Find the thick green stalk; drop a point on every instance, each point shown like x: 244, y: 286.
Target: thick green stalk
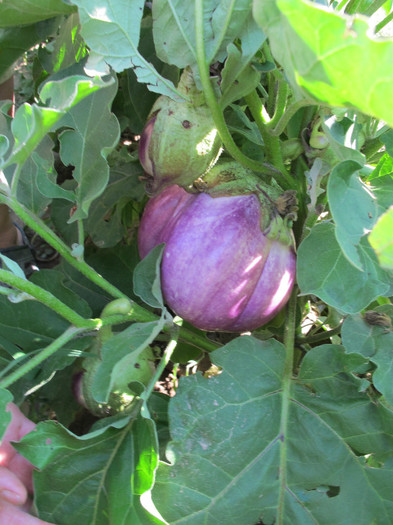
x: 45, y: 297
x: 383, y: 22
x: 36, y: 224
x: 212, y: 103
x: 289, y: 343
x: 288, y: 114
x: 51, y: 349
x: 272, y: 143
x: 280, y: 103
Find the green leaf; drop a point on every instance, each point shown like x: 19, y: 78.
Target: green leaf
x: 326, y: 54
x: 147, y: 283
x: 5, y: 417
x: 353, y: 207
x: 375, y: 343
x: 112, y: 32
x: 119, y: 355
x: 14, y: 41
x: 68, y: 47
x: 223, y: 24
x: 96, y: 480
x: 381, y: 239
x: 93, y: 131
x: 104, y: 222
x: 323, y: 270
x: 33, y: 325
x: 245, y: 449
x: 21, y: 12
x: 33, y: 122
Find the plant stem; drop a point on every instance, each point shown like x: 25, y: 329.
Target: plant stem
x: 289, y: 113
x: 318, y: 337
x: 161, y: 367
x: 36, y: 224
x: 281, y: 102
x: 39, y: 358
x: 272, y: 143
x: 384, y: 22
x: 47, y: 298
x: 289, y: 343
x: 211, y: 101
x: 373, y: 7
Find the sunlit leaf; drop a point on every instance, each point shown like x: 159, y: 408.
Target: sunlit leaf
x: 112, y: 32
x: 381, y: 239
x: 330, y: 56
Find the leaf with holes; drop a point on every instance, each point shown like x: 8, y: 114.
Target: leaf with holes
x: 251, y: 443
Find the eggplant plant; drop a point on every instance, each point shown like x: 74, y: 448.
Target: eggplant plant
x: 213, y: 341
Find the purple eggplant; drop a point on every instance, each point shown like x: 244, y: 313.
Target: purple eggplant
x: 219, y: 271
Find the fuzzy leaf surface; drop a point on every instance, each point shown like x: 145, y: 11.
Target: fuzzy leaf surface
x: 278, y: 455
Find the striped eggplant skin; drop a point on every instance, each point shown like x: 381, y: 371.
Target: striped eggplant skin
x: 219, y: 271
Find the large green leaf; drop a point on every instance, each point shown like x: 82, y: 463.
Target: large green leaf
x: 95, y: 479
x: 323, y: 270
x: 331, y: 57
x: 353, y: 207
x: 112, y: 32
x: 92, y: 132
x: 375, y: 343
x: 247, y: 448
x: 33, y: 122
x: 224, y: 22
x: 382, y: 241
x: 14, y: 41
x: 21, y: 12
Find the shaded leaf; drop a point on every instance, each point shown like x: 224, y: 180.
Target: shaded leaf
x: 96, y: 480
x: 147, y: 283
x: 375, y: 343
x: 119, y: 355
x: 276, y: 455
x: 104, y: 222
x: 223, y: 23
x: 353, y: 207
x: 94, y: 133
x: 20, y: 12
x: 323, y: 270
